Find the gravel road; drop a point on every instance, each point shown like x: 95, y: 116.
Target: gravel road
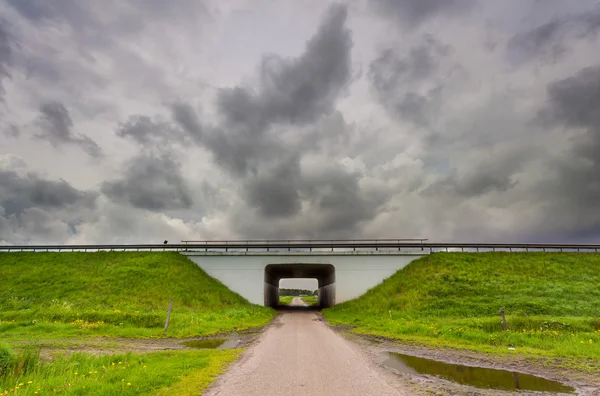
x: 300, y: 355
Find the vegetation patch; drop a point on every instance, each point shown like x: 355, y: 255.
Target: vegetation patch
x: 58, y: 295
x: 285, y: 300
x: 551, y: 301
x: 158, y: 373
x: 310, y: 300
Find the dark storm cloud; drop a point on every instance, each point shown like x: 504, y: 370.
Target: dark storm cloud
x: 6, y: 43
x: 395, y: 76
x: 151, y: 182
x: 300, y: 90
x: 494, y: 174
x: 186, y: 117
x: 294, y: 91
x: 575, y: 101
x: 549, y: 40
x: 574, y: 190
x: 335, y: 194
x: 416, y: 108
x: 56, y: 126
x: 146, y: 131
x: 328, y: 202
x: 18, y: 193
x: 411, y: 13
x: 275, y: 192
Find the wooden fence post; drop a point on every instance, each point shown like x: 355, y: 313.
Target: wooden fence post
x: 168, y: 314
x: 503, y: 319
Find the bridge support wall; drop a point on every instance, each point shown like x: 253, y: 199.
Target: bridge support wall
x: 353, y: 273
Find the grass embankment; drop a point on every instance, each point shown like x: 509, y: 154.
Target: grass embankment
x: 71, y: 298
x: 310, y: 300
x: 158, y: 373
x: 551, y: 300
x: 57, y: 295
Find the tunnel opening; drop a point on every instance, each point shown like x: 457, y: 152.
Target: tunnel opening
x: 323, y: 273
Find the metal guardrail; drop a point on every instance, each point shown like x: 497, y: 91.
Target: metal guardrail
x: 316, y: 246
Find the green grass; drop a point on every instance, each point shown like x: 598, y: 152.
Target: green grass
x: 310, y: 300
x: 551, y: 300
x: 57, y: 295
x: 157, y: 373
x: 285, y: 300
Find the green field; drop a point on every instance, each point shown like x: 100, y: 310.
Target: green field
x: 71, y: 299
x: 551, y: 300
x: 285, y: 300
x: 310, y: 300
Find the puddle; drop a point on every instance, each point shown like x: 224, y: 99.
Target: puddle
x: 208, y: 343
x: 474, y: 376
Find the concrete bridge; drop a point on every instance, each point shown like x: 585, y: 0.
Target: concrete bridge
x: 344, y: 269
x: 340, y: 276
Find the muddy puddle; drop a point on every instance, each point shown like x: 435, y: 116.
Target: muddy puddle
x: 478, y: 377
x: 212, y: 343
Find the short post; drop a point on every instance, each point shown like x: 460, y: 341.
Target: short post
x: 168, y: 314
x: 503, y: 319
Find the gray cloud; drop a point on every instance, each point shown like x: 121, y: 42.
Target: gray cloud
x: 186, y: 117
x: 291, y: 91
x: 397, y: 79
x: 571, y: 191
x: 275, y: 192
x: 18, y: 193
x: 5, y: 54
x: 324, y: 202
x: 56, y: 127
x: 411, y: 13
x: 574, y: 101
x: 146, y: 131
x: 549, y: 40
x: 299, y: 90
x: 340, y: 202
x: 303, y: 146
x: 490, y: 173
x: 151, y: 182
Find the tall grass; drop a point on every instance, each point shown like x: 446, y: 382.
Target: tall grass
x: 189, y: 372
x: 116, y: 294
x: 552, y: 302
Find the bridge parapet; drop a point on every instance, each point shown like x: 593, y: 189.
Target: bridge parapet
x: 319, y: 247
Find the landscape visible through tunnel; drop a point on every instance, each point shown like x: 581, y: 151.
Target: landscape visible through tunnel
x: 323, y: 273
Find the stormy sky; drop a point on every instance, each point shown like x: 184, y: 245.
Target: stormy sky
x: 455, y: 120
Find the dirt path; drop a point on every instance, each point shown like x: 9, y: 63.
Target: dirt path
x: 297, y: 302
x: 301, y: 355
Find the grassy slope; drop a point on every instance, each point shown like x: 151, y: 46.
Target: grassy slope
x: 115, y: 294
x: 552, y: 303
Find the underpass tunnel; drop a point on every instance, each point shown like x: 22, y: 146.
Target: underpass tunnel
x: 323, y: 273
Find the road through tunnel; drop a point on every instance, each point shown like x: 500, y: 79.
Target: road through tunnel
x: 323, y: 273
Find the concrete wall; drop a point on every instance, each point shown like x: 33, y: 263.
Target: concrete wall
x: 355, y: 273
